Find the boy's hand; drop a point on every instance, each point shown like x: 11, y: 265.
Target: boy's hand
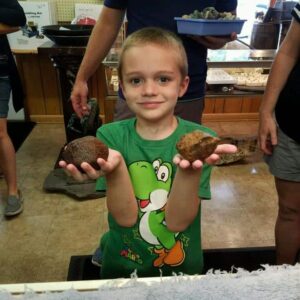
x: 211, y: 160
x: 107, y: 166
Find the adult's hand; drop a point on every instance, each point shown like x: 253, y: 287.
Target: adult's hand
x: 79, y: 98
x: 267, y: 133
x: 214, y: 42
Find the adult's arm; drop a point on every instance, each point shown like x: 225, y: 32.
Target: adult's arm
x: 11, y: 13
x: 5, y: 29
x: 286, y: 58
x: 100, y: 42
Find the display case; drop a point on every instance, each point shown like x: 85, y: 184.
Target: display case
x: 215, y: 59
x: 236, y: 102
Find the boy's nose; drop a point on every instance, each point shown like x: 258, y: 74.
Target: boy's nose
x: 149, y: 88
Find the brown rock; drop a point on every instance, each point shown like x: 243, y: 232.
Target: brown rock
x: 196, y: 145
x: 86, y: 149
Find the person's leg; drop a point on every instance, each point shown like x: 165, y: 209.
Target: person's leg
x: 7, y: 154
x: 8, y: 159
x: 287, y: 229
x: 284, y: 165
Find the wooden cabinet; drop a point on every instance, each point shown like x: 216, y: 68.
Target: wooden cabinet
x: 232, y: 107
x: 42, y: 88
x: 43, y: 99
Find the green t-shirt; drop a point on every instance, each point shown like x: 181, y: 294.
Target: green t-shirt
x: 149, y: 247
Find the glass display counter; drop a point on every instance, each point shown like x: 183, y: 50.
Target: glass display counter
x: 215, y: 59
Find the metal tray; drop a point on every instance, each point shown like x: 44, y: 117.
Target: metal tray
x: 249, y: 88
x: 69, y: 40
x: 70, y: 30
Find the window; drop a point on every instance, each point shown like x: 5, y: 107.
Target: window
x: 246, y: 10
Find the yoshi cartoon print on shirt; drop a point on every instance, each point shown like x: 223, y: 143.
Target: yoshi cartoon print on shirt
x: 152, y: 184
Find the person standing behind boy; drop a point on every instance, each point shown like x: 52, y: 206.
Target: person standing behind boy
x: 11, y: 17
x: 279, y: 138
x: 153, y: 194
x: 141, y: 14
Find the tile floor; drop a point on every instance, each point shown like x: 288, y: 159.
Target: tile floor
x: 36, y: 246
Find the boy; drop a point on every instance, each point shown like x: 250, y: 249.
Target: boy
x: 154, y: 209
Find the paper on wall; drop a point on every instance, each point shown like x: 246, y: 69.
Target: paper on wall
x: 38, y: 14
x: 87, y: 13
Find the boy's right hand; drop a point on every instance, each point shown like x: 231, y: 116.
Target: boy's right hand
x: 106, y: 167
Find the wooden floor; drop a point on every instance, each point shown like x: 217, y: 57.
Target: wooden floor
x: 37, y: 245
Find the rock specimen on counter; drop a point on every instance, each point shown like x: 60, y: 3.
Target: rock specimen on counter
x: 85, y: 149
x: 196, y: 145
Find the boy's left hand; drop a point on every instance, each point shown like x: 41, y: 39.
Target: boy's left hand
x: 211, y: 160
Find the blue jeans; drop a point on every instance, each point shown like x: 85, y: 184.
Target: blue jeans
x: 5, y: 90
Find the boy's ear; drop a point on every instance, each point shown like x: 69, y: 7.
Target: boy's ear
x: 184, y: 85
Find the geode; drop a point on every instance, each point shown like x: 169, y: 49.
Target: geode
x: 85, y: 149
x: 197, y: 145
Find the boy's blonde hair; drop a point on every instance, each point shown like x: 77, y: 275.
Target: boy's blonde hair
x: 156, y: 36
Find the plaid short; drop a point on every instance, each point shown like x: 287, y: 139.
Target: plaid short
x: 5, y: 89
x: 284, y: 163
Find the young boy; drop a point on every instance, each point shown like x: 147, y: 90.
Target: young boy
x: 153, y: 194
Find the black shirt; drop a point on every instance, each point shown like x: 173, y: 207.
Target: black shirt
x: 287, y: 110
x: 12, y: 14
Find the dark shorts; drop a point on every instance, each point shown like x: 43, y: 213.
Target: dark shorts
x: 284, y: 163
x: 4, y: 96
x: 190, y: 110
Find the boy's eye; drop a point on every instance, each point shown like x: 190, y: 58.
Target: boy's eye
x: 163, y: 79
x: 135, y: 81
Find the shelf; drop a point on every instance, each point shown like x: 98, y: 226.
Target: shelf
x: 240, y: 58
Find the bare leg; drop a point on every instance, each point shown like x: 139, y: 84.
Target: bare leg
x: 287, y: 229
x: 8, y: 159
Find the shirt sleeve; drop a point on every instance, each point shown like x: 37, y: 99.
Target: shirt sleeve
x: 296, y: 12
x: 117, y: 4
x: 12, y: 13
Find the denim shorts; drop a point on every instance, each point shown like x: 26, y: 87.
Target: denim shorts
x: 5, y: 89
x: 284, y: 163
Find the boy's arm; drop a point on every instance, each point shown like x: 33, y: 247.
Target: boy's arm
x: 121, y: 202
x: 120, y: 196
x: 183, y: 202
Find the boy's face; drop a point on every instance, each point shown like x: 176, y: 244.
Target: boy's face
x: 152, y: 81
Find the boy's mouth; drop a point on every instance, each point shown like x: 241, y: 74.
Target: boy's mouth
x: 150, y: 104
